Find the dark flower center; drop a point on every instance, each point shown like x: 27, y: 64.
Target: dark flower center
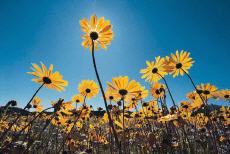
x: 77, y: 100
x: 123, y: 92
x: 199, y: 91
x: 119, y: 103
x: 158, y: 92
x: 226, y: 96
x: 93, y: 35
x: 178, y: 66
x: 206, y: 92
x: 87, y: 90
x: 111, y: 97
x: 47, y: 80
x: 110, y: 106
x: 154, y: 70
x: 185, y: 106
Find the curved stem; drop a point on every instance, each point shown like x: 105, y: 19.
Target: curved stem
x: 104, y: 98
x: 174, y: 104
x: 190, y: 78
x: 11, y: 125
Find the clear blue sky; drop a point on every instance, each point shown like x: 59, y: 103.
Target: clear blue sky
x: 48, y: 31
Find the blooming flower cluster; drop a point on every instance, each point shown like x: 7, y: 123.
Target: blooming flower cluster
x: 129, y: 123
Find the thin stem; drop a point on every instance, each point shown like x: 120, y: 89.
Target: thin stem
x: 104, y: 98
x: 190, y: 78
x: 174, y: 104
x: 11, y: 125
x: 206, y: 103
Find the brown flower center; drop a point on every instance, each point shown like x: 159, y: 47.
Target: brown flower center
x: 87, y: 90
x: 123, y: 92
x: 226, y: 96
x: 154, y: 70
x: 206, y: 92
x: 111, y: 97
x: 158, y: 92
x: 46, y: 80
x: 94, y: 35
x: 199, y: 91
x: 178, y: 66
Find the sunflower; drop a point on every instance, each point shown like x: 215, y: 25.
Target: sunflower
x: 158, y: 90
x: 98, y: 30
x: 178, y: 63
x: 195, y: 99
x: 122, y: 88
x: 222, y: 94
x: 36, y: 102
x: 78, y: 98
x: 88, y: 88
x: 206, y: 90
x: 154, y: 71
x: 50, y: 79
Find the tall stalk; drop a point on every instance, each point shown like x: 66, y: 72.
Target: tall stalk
x: 105, y: 102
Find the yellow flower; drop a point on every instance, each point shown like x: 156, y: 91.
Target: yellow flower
x: 98, y: 30
x: 167, y: 118
x: 201, y: 120
x: 222, y: 94
x: 36, y: 102
x: 143, y: 93
x: 154, y: 70
x: 50, y: 79
x: 222, y: 138
x: 79, y: 125
x: 78, y: 98
x: 122, y: 88
x: 178, y: 63
x: 110, y: 96
x: 185, y: 106
x: 131, y: 105
x: 194, y: 98
x: 66, y: 108
x: 158, y: 90
x: 88, y: 88
x: 206, y: 90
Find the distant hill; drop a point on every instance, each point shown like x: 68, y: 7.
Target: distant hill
x: 17, y: 110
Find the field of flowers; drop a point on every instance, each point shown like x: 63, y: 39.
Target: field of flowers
x: 129, y: 124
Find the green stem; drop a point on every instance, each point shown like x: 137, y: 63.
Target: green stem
x: 105, y: 102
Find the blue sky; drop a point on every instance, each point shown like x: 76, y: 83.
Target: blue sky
x: 49, y: 31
